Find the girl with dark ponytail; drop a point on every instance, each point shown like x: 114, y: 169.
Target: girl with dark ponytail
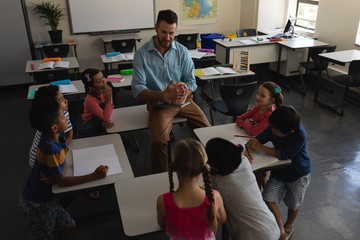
x: 190, y: 212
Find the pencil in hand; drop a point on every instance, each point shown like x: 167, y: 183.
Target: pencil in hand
x: 248, y: 152
x: 243, y: 136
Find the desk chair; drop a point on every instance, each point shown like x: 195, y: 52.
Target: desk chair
x: 124, y: 46
x: 352, y: 79
x: 235, y: 99
x: 246, y: 32
x: 43, y: 77
x: 188, y: 40
x: 315, y: 63
x: 56, y: 50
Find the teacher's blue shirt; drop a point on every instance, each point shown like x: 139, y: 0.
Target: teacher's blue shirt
x: 153, y: 71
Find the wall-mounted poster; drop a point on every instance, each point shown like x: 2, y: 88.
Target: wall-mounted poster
x: 195, y: 12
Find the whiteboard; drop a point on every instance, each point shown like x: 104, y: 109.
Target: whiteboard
x: 89, y: 16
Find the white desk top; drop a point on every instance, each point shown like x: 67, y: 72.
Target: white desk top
x: 132, y: 118
x: 93, y: 142
x: 73, y: 64
x: 234, y: 42
x: 296, y: 42
x: 342, y: 56
x: 77, y: 83
x: 227, y: 131
x: 195, y: 54
x: 137, y: 202
x: 108, y: 39
x: 69, y: 42
x: 302, y: 43
x: 124, y: 83
x: 238, y: 74
x: 107, y: 60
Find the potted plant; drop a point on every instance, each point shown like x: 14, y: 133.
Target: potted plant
x: 52, y: 14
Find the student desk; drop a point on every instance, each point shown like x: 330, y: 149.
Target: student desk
x: 106, y: 40
x: 73, y: 64
x: 260, y: 51
x: 238, y: 74
x: 119, y: 84
x: 134, y: 118
x: 108, y: 61
x: 71, y: 43
x: 267, y: 52
x: 33, y: 65
x: 137, y: 202
x: 77, y: 83
x: 342, y: 57
x: 294, y: 44
x: 114, y: 139
x: 227, y: 131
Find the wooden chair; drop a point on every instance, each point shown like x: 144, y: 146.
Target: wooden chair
x: 235, y: 99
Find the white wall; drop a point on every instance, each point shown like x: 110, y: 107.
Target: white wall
x: 14, y: 48
x: 272, y: 14
x: 249, y: 13
x: 91, y: 47
x: 337, y: 22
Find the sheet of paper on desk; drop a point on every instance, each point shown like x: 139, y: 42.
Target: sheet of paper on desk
x: 129, y: 56
x: 260, y: 159
x: 197, y: 55
x: 68, y: 88
x: 86, y: 160
x: 247, y: 41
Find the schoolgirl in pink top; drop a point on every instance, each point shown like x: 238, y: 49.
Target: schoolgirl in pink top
x: 268, y: 97
x: 98, y: 105
x: 190, y: 212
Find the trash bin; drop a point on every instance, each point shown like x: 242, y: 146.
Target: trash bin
x: 207, y: 40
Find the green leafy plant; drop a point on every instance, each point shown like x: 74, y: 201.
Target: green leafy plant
x: 49, y: 11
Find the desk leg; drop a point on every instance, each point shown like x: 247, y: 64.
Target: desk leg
x: 75, y: 51
x: 106, y: 69
x: 278, y: 70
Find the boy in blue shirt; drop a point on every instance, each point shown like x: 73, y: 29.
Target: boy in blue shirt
x: 46, y: 218
x: 289, y: 183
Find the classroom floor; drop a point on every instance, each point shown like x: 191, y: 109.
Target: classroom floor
x: 331, y: 209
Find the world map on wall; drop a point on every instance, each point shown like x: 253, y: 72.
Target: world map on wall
x: 193, y: 10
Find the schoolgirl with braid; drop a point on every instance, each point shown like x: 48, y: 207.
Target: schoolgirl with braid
x: 190, y: 211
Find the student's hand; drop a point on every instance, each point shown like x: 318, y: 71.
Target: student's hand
x: 107, y: 92
x: 101, y: 171
x: 107, y: 125
x: 248, y: 156
x: 46, y: 179
x: 253, y: 143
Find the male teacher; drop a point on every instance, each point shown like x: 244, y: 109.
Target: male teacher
x: 159, y: 66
